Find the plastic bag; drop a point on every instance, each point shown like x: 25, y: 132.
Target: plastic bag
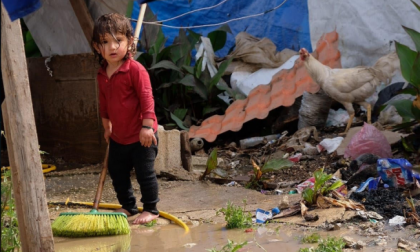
x: 368, y: 140
x: 396, y: 172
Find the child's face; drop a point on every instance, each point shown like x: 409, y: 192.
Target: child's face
x: 113, y: 51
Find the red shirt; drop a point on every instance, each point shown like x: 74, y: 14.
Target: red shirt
x: 126, y: 99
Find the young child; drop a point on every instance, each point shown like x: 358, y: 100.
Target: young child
x: 128, y: 116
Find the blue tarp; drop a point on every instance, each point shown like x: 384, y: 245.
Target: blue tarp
x: 20, y: 8
x: 287, y: 27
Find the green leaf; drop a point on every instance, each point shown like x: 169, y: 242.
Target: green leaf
x: 415, y: 36
x: 166, y: 64
x: 308, y: 195
x: 220, y: 72
x: 165, y: 54
x: 178, y: 122
x: 225, y: 28
x: 334, y: 186
x: 165, y: 85
x: 189, y: 69
x: 211, y: 162
x: 201, y: 90
x: 408, y: 60
x: 276, y: 165
x: 417, y: 6
x: 208, y: 109
x: 180, y: 113
x: 197, y: 68
x: 404, y: 109
x: 217, y: 39
x: 408, y: 146
x: 188, y: 80
x: 411, y: 91
x: 415, y: 110
x: 193, y: 37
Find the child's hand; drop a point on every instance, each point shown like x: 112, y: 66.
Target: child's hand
x: 147, y: 136
x: 107, y: 134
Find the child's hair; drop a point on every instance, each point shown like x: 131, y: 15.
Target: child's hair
x: 112, y: 23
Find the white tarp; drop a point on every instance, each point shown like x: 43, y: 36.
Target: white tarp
x: 57, y: 31
x: 367, y: 28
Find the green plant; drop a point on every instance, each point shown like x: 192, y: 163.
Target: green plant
x: 236, y: 217
x: 320, y: 186
x: 270, y: 166
x: 151, y: 223
x: 410, y: 69
x: 9, y: 223
x: 229, y: 247
x: 328, y: 245
x: 183, y: 91
x: 313, y: 238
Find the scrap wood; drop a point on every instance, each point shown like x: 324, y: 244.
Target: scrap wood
x: 347, y: 203
x: 293, y: 210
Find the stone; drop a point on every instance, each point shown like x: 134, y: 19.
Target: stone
x: 349, y: 241
x: 380, y: 242
x: 360, y: 245
x: 199, y: 164
x: 169, y: 150
x: 284, y: 202
x: 404, y: 244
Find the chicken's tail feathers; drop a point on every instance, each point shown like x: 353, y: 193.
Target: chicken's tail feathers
x: 387, y: 66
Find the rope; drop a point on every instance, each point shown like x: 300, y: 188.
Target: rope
x: 159, y: 23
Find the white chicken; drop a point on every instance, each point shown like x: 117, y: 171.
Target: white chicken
x: 351, y: 85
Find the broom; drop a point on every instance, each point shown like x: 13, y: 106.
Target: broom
x: 93, y: 223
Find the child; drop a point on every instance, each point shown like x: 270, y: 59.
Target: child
x: 128, y: 116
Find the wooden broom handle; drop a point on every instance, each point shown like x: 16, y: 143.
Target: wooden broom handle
x: 101, y: 181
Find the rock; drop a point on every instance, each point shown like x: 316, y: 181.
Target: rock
x: 404, y: 244
x: 311, y: 217
x: 380, y: 242
x: 284, y: 203
x: 350, y: 243
x: 199, y: 164
x: 360, y: 245
x: 196, y: 144
x: 178, y: 174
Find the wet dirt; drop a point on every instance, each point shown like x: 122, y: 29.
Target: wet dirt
x: 386, y: 202
x: 270, y: 237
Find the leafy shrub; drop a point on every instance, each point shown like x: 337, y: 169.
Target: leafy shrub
x: 183, y: 91
x: 320, y: 186
x: 9, y: 223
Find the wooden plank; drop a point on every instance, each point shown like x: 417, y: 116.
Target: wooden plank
x: 23, y: 141
x: 15, y: 182
x: 84, y: 17
x: 66, y: 108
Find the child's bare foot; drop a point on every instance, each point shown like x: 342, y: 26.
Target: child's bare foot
x: 122, y: 210
x: 145, y: 217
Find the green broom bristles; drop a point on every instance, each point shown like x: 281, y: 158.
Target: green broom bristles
x: 90, y: 224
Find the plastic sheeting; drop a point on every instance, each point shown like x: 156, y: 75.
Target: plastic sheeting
x: 367, y: 29
x: 287, y: 26
x: 21, y: 8
x: 57, y: 31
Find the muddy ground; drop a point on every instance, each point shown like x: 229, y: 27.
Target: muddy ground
x: 197, y: 203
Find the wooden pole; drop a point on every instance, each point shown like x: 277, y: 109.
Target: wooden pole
x: 139, y: 23
x: 85, y: 19
x: 33, y: 218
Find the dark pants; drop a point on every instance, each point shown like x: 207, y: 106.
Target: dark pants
x: 122, y: 159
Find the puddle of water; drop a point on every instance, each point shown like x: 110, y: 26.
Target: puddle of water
x: 200, y: 238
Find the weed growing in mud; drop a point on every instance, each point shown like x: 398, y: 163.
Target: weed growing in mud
x: 327, y: 245
x: 320, y: 187
x: 150, y: 224
x: 9, y: 223
x: 313, y: 238
x: 236, y: 217
x: 230, y: 247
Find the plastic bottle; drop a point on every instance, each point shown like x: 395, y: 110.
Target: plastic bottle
x: 262, y: 216
x: 251, y: 142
